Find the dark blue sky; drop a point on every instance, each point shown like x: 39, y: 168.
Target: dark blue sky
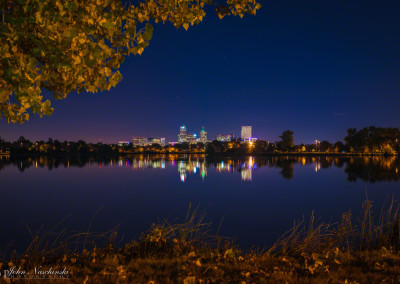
x: 315, y: 67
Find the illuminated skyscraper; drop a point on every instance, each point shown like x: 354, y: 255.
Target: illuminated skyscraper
x: 139, y: 141
x: 182, y: 134
x: 246, y: 133
x: 191, y: 138
x: 203, y: 136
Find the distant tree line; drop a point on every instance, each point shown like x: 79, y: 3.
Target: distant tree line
x: 368, y: 140
x: 50, y: 147
x: 23, y: 146
x: 373, y: 140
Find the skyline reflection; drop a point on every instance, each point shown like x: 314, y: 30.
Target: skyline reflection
x: 369, y: 169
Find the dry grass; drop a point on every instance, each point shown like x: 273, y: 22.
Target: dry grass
x: 361, y: 251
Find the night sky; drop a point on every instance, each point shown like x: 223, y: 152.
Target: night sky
x: 314, y: 67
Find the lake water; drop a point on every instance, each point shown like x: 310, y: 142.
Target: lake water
x: 258, y: 198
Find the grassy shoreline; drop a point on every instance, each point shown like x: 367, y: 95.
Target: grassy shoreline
x: 365, y: 251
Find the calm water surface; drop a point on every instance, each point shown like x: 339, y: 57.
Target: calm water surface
x: 258, y: 198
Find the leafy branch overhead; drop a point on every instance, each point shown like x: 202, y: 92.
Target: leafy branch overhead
x: 69, y: 45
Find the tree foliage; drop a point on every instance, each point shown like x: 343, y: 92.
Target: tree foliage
x: 287, y: 141
x: 68, y: 45
x: 325, y: 146
x: 373, y: 140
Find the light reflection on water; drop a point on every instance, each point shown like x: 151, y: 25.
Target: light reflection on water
x: 370, y: 169
x: 367, y: 168
x: 199, y: 166
x: 195, y: 165
x: 257, y: 197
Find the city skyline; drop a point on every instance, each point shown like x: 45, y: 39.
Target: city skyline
x: 135, y: 134
x: 191, y: 138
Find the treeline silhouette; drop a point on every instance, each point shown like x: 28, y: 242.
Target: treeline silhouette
x: 55, y: 147
x: 373, y: 140
x: 25, y: 146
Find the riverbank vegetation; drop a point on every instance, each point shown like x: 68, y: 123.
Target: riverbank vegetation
x: 361, y: 249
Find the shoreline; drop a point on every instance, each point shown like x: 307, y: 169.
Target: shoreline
x: 228, y: 155
x: 367, y: 251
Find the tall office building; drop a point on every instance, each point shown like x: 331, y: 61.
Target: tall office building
x: 246, y: 133
x: 203, y: 136
x: 139, y: 141
x: 191, y: 138
x: 182, y: 134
